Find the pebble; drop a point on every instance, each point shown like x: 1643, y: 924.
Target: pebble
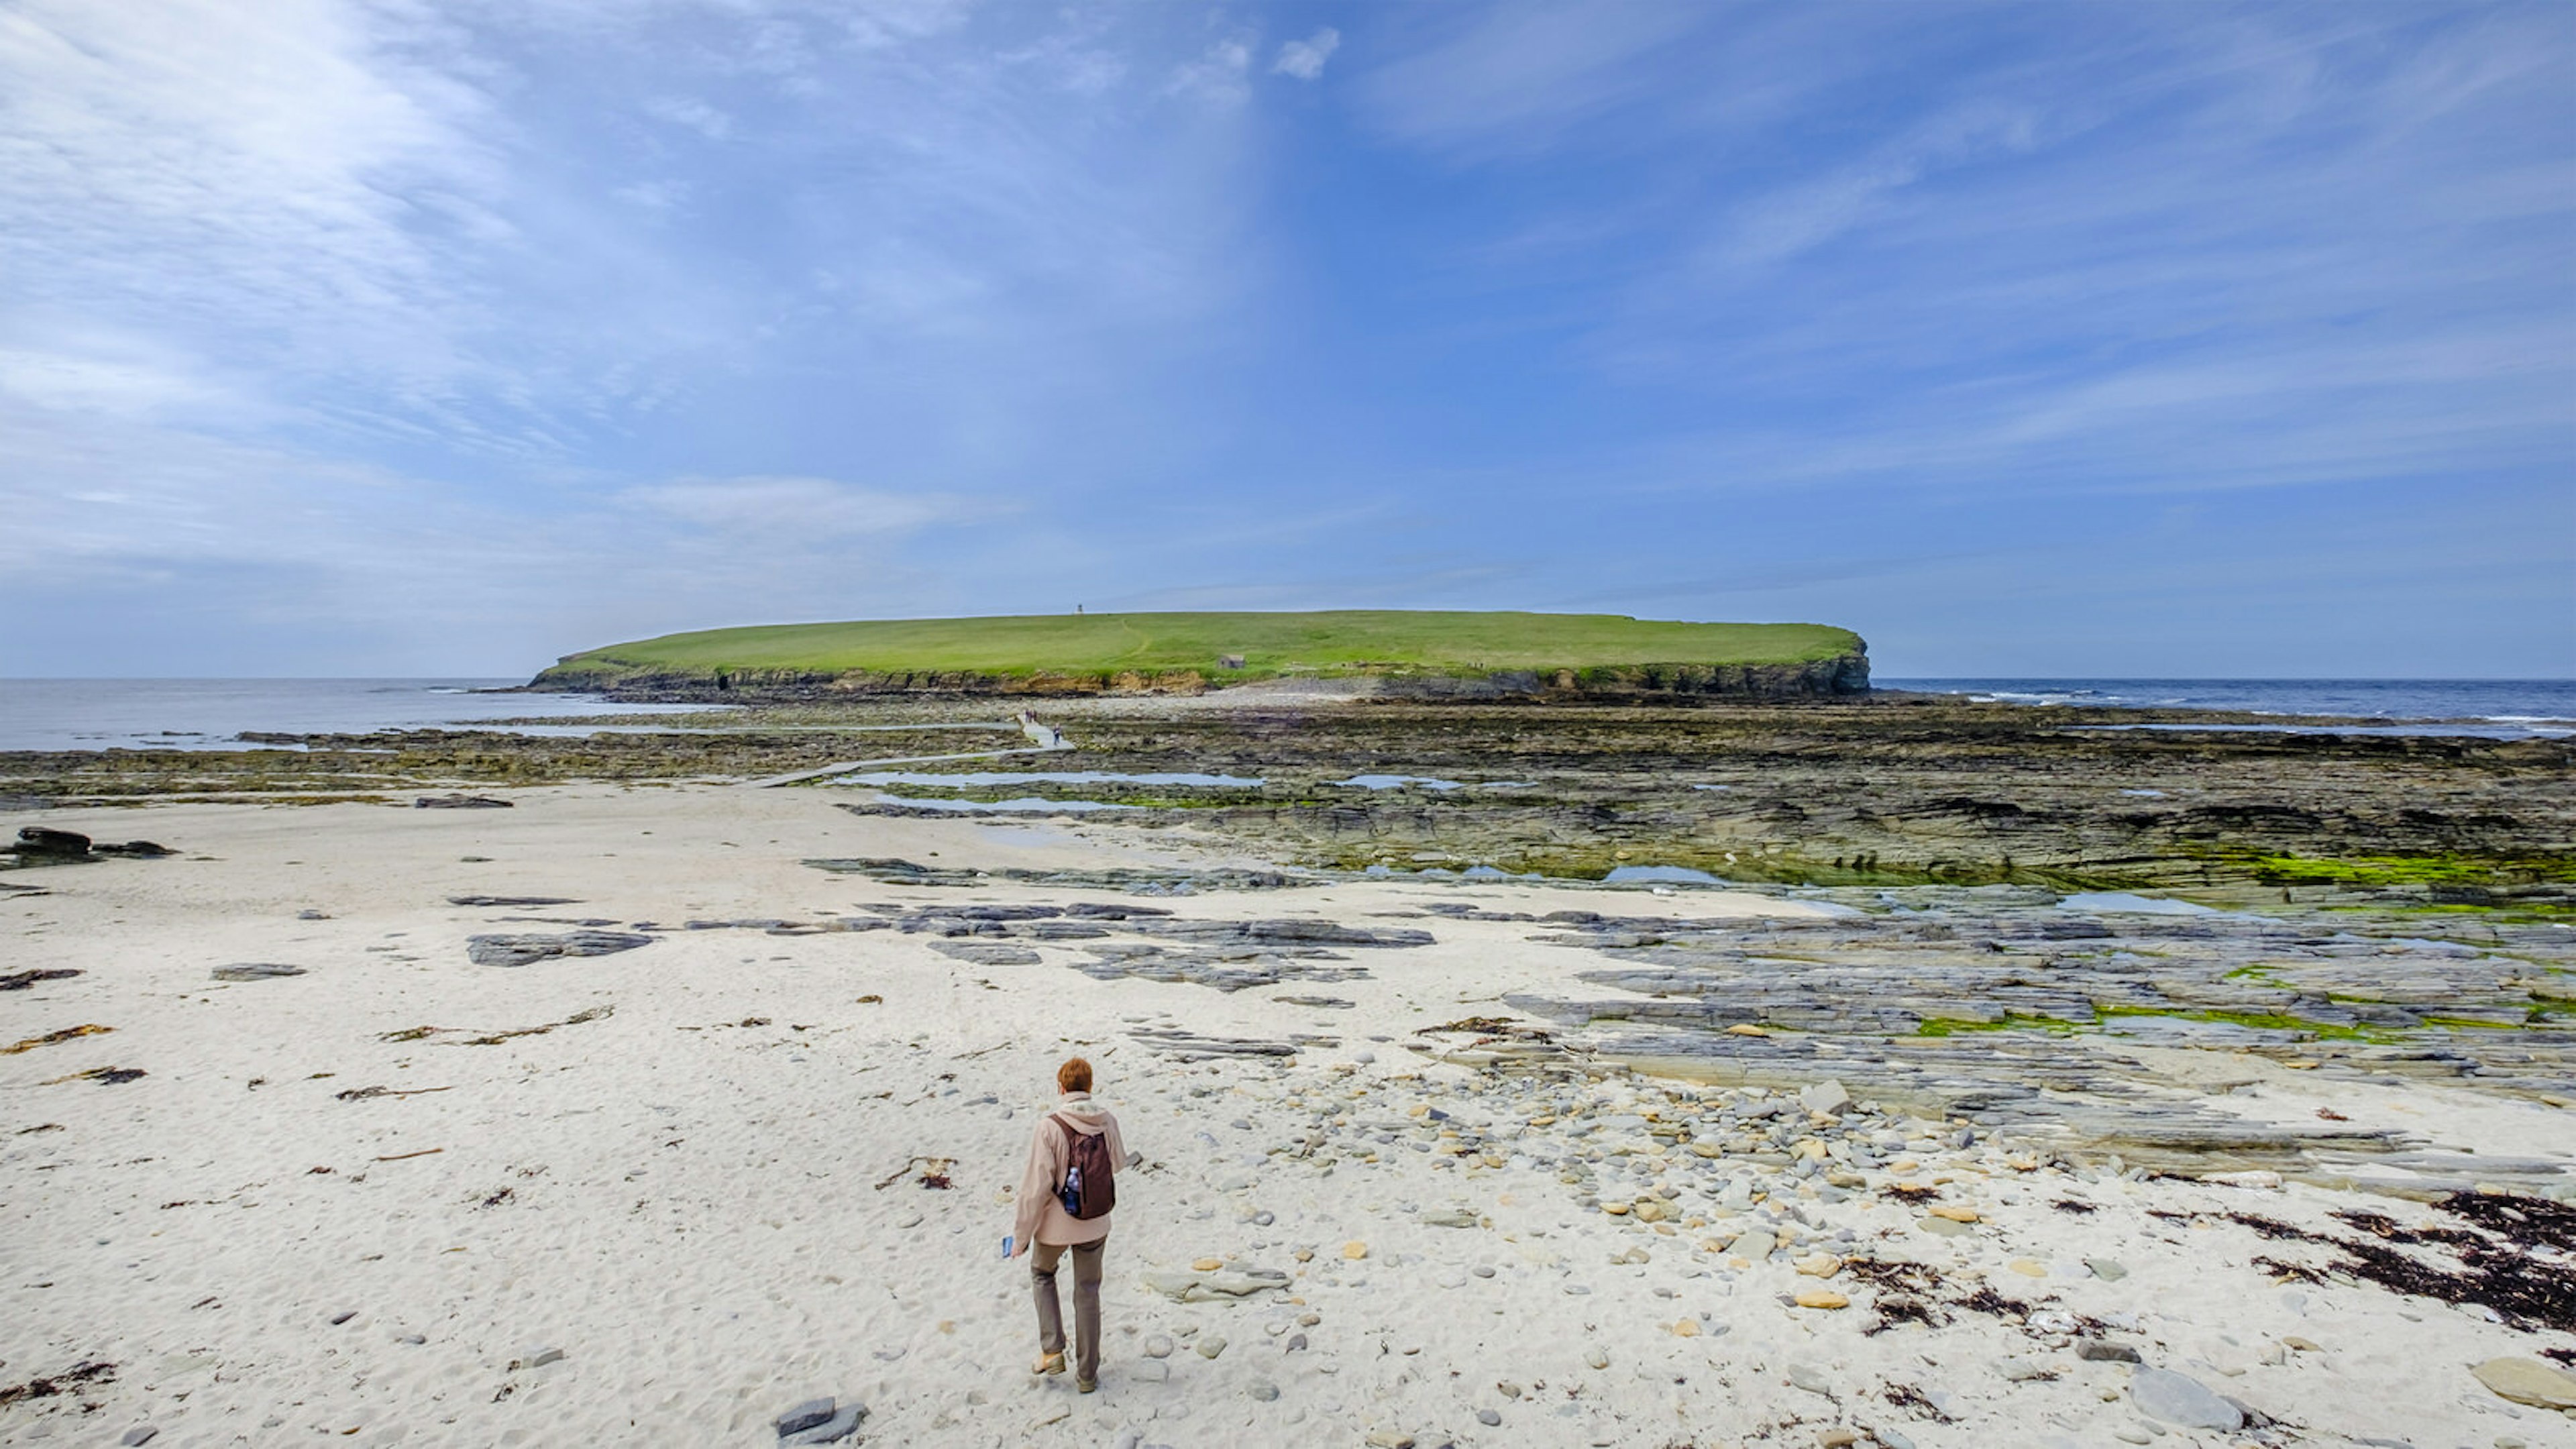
x: 1296, y: 1344
x: 538, y: 1357
x: 1265, y: 1392
x: 1597, y: 1357
x: 1151, y: 1371
x: 1489, y: 1418
x: 1211, y: 1344
x: 1808, y: 1377
x: 1821, y: 1298
x: 1354, y: 1250
x: 1159, y: 1346
x: 2096, y: 1351
x: 414, y: 1339
x: 1389, y: 1439
x: 1943, y: 1227
x: 2106, y: 1269
x: 2028, y: 1267
x: 139, y: 1434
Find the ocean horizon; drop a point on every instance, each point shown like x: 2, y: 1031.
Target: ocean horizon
x: 201, y: 714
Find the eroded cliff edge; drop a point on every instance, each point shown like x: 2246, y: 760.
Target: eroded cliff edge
x: 1840, y: 675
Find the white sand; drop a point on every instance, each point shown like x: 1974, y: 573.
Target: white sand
x: 692, y: 1218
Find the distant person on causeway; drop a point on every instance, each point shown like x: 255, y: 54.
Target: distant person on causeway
x: 1064, y: 1201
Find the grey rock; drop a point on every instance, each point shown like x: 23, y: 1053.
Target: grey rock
x: 1490, y: 1418
x: 843, y: 1423
x: 521, y: 950
x: 1810, y: 1378
x: 1264, y: 1391
x: 2182, y: 1401
x: 413, y: 1339
x: 977, y: 953
x: 1296, y: 1344
x: 2106, y: 1269
x: 1827, y: 1096
x: 256, y: 971
x: 805, y: 1416
x: 343, y: 1316
x: 139, y: 1434
x: 2096, y: 1351
x: 459, y: 802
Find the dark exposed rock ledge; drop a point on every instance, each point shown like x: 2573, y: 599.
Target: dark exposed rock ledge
x: 1843, y: 674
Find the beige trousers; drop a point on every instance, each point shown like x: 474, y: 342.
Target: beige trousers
x: 1086, y: 1303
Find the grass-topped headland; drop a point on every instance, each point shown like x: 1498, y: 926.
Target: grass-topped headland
x: 1409, y: 651
x: 1183, y: 652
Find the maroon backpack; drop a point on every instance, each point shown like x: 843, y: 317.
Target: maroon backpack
x: 1089, y: 1188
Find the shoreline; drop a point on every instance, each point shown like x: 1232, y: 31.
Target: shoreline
x: 689, y: 1132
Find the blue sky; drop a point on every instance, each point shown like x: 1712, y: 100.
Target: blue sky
x: 445, y: 338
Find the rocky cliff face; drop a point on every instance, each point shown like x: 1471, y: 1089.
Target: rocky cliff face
x: 1845, y: 674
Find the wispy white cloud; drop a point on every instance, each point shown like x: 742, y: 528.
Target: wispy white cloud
x: 1217, y: 74
x: 1304, y: 59
x: 693, y: 113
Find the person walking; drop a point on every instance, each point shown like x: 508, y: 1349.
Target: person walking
x: 1064, y: 1200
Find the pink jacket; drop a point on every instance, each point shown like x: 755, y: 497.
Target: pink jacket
x: 1041, y: 1219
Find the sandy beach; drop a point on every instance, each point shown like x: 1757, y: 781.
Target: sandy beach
x: 666, y: 1193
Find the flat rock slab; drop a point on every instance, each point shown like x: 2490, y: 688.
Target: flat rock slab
x: 512, y: 901
x: 2528, y: 1381
x: 522, y: 949
x: 977, y: 953
x: 1214, y: 1287
x: 256, y: 971
x: 2182, y: 1401
x: 459, y: 802
x: 843, y: 1423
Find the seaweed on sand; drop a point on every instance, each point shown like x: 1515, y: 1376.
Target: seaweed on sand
x: 1986, y: 1300
x: 50, y: 1385
x: 2498, y: 1256
x: 2070, y: 1205
x: 1896, y: 1308
x: 1907, y: 1396
x: 1909, y: 1193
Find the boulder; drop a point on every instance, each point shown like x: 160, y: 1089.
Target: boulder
x: 45, y: 843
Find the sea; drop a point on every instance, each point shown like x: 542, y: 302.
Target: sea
x: 2503, y: 709
x: 212, y: 714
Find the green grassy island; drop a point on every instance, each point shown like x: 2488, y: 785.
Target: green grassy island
x: 1405, y: 651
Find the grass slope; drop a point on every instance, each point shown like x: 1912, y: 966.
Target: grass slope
x: 1336, y: 642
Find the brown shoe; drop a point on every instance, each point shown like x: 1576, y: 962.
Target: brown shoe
x: 1085, y: 1385
x: 1048, y: 1363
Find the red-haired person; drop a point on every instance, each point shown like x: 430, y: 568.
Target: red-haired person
x: 1064, y: 1202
